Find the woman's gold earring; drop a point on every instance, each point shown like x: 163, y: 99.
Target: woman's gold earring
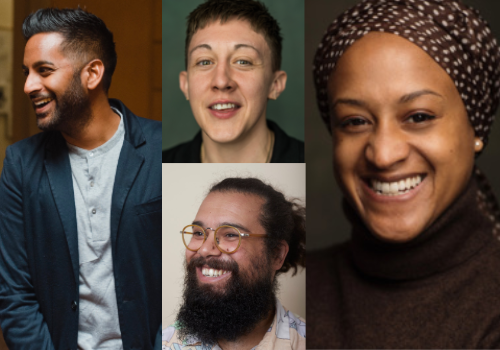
x: 478, y: 145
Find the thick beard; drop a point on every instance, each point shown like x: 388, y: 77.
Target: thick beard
x: 228, y: 314
x: 72, y: 111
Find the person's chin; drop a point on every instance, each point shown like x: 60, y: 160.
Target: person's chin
x: 225, y: 135
x: 394, y: 230
x: 45, y: 122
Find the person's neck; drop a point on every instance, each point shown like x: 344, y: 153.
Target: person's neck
x: 255, y: 146
x: 100, y: 129
x: 253, y: 338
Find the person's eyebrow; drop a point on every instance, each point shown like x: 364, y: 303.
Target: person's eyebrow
x: 202, y: 46
x: 239, y: 46
x: 239, y: 227
x: 349, y: 101
x: 404, y: 99
x: 411, y: 96
x: 38, y: 64
x: 199, y: 223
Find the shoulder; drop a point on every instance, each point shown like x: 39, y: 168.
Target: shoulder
x: 32, y: 149
x: 151, y: 129
x: 286, y: 149
x: 322, y: 268
x: 187, y: 152
x: 290, y: 326
x: 170, y: 339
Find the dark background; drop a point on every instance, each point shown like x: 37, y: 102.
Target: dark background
x: 326, y: 224
x: 179, y: 124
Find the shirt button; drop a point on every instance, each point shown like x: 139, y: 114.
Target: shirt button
x: 91, y: 154
x: 74, y: 305
x: 94, y: 211
x: 92, y: 184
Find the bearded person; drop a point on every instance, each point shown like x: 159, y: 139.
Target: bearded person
x: 244, y: 235
x: 80, y: 209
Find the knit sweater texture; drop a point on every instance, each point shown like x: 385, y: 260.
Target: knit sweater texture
x: 439, y: 290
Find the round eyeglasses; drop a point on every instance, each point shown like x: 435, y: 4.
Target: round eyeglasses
x: 227, y: 238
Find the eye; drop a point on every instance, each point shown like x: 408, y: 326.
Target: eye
x: 353, y: 121
x: 198, y: 234
x: 243, y: 62
x: 417, y: 118
x: 204, y: 63
x: 26, y: 72
x: 44, y: 71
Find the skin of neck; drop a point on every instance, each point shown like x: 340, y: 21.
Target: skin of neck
x: 253, y: 338
x: 101, y: 127
x: 250, y: 147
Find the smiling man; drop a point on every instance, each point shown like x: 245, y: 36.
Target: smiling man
x: 81, y: 201
x: 233, y: 59
x: 245, y: 234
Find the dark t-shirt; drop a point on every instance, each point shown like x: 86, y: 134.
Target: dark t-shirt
x: 286, y: 149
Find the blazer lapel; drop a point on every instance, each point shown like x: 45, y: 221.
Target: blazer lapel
x: 58, y: 170
x: 129, y: 164
x: 128, y: 167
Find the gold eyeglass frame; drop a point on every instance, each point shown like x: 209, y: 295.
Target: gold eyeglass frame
x: 205, y: 236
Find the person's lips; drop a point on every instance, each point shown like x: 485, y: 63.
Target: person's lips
x: 42, y: 104
x: 207, y: 274
x: 224, y: 109
x: 395, y: 188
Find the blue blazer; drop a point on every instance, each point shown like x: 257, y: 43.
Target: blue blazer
x: 39, y: 266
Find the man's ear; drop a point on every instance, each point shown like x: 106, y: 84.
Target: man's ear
x: 278, y: 85
x: 92, y: 74
x: 279, y: 259
x: 183, y: 83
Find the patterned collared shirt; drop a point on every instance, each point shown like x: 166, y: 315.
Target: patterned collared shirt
x: 287, y: 331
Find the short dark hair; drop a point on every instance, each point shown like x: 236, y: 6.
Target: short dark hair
x: 282, y: 219
x: 83, y: 32
x: 253, y: 11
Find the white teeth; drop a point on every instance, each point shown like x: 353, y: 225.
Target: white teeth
x: 396, y: 188
x: 43, y: 101
x: 212, y: 272
x: 220, y: 106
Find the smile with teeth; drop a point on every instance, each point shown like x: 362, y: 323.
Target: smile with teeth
x: 395, y: 188
x: 43, y: 102
x: 212, y: 272
x: 222, y: 106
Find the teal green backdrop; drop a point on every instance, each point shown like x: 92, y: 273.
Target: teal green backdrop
x: 288, y: 111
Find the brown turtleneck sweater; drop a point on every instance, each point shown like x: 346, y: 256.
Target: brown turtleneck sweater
x: 440, y: 290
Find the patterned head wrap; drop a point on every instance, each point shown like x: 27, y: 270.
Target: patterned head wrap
x: 454, y: 35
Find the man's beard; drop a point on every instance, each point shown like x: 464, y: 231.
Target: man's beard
x: 72, y: 111
x: 230, y: 312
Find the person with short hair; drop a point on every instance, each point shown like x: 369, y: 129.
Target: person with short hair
x: 244, y: 235
x: 233, y: 60
x: 80, y: 215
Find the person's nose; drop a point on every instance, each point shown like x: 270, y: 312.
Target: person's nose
x: 32, y: 84
x: 208, y: 248
x: 387, y: 146
x: 222, y: 79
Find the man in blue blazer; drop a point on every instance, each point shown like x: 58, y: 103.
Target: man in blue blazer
x: 80, y: 203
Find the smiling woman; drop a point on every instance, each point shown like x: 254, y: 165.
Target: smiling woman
x: 408, y: 91
x: 233, y: 53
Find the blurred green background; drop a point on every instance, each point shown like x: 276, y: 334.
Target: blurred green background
x: 288, y: 111
x: 326, y: 224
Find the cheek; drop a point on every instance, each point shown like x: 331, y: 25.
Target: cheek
x: 189, y: 255
x: 197, y: 85
x: 255, y: 89
x: 347, y: 152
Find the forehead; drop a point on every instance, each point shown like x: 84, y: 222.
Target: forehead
x: 230, y: 33
x: 44, y: 46
x: 382, y: 63
x: 238, y: 208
